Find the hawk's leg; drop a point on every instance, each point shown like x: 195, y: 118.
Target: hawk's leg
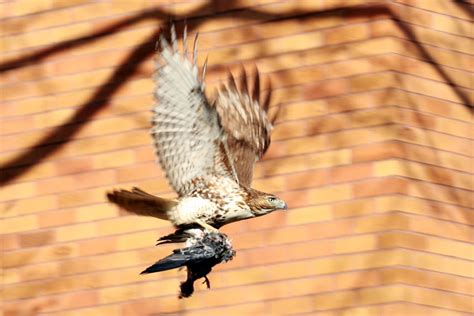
x: 208, y: 283
x: 206, y: 226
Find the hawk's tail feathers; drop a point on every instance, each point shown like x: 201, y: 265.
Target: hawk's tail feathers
x: 141, y: 203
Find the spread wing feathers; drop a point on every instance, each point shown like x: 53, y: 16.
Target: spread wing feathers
x: 186, y: 130
x: 243, y: 115
x: 141, y: 203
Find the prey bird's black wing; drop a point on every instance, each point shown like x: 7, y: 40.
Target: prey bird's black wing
x: 173, y: 261
x: 193, y: 255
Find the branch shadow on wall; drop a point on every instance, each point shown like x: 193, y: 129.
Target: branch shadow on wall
x: 466, y: 6
x: 99, y: 99
x: 49, y: 144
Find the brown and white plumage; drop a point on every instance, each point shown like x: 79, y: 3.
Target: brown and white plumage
x: 207, y: 149
x: 245, y: 122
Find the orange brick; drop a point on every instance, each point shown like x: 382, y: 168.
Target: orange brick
x: 17, y: 191
x: 285, y: 78
x: 325, y: 89
x: 419, y: 206
x: 347, y: 298
x: 97, y: 310
x: 446, y: 23
x: 292, y: 305
x: 27, y: 206
x: 346, y: 34
x: 391, y: 240
x: 350, y: 173
x: 19, y: 224
x: 413, y: 152
x: 441, y: 39
x: 380, y: 116
x: 77, y: 198
x: 15, y: 125
x: 432, y: 105
x: 93, y: 179
x: 376, y: 151
x: 314, y: 178
x: 73, y: 165
x: 430, y: 279
x: 330, y: 194
x: 73, y: 301
x: 441, y: 193
x: 25, y: 7
x: 9, y: 242
x: 453, y: 127
x: 113, y: 159
x: 141, y: 307
x: 301, y: 110
x: 427, y: 173
x: 380, y: 186
x: 379, y: 223
x: 36, y: 239
x: 300, y: 145
x: 404, y: 308
x: 451, y: 230
x: 308, y: 214
x: 353, y: 208
x: 438, y: 263
x: 56, y: 218
x: 388, y: 27
x: 329, y: 159
x: 32, y: 172
x: 354, y: 244
x: 372, y: 81
x: 425, y: 86
x: 361, y: 100
x: 109, y: 143
x: 350, y: 280
x: 457, y: 302
x: 369, y: 151
x: 139, y: 171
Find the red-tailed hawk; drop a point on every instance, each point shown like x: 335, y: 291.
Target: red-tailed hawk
x: 206, y: 148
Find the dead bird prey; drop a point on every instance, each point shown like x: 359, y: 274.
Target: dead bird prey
x: 202, y: 251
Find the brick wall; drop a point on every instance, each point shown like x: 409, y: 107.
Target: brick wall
x: 372, y: 151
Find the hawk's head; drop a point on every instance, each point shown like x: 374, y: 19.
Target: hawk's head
x: 263, y: 203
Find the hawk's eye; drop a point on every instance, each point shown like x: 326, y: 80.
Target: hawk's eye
x: 272, y: 199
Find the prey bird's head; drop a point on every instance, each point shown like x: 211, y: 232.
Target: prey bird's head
x: 263, y: 203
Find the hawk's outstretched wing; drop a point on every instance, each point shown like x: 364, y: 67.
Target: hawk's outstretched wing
x: 243, y: 115
x: 186, y: 130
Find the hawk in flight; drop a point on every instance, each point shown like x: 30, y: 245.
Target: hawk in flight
x: 207, y: 148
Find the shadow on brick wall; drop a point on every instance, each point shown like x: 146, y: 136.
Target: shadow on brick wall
x: 100, y: 99
x: 466, y: 6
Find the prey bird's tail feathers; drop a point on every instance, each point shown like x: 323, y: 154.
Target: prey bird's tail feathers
x: 180, y: 235
x: 141, y: 203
